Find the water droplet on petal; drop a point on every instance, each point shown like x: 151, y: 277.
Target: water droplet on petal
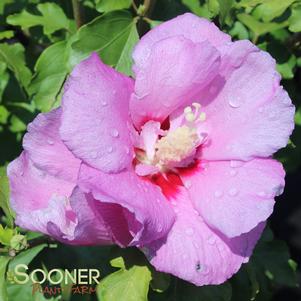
x: 233, y: 192
x: 261, y: 194
x: 211, y: 240
x: 50, y: 141
x: 233, y: 172
x: 188, y: 184
x: 196, y: 212
x: 218, y: 193
x: 189, y: 231
x: 235, y: 102
x: 236, y: 163
x: 115, y: 133
x: 160, y: 228
x: 94, y: 155
x: 110, y: 149
x: 127, y: 150
x: 104, y: 103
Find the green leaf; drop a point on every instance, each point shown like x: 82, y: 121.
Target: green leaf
x: 104, y: 6
x: 286, y: 69
x: 196, y: 8
x: 270, y: 9
x: 16, y: 125
x: 4, y: 196
x: 295, y: 19
x: 3, y: 3
x: 130, y: 284
x: 13, y: 56
x: 26, y: 257
x: 224, y: 9
x: 248, y: 3
x: 125, y: 61
x: 259, y: 28
x: 272, y: 258
x: 6, y: 234
x: 160, y: 281
x: 3, y: 264
x: 239, y: 31
x: 7, y: 34
x: 52, y: 18
x: 107, y: 35
x: 4, y: 114
x: 4, y: 77
x: 49, y: 76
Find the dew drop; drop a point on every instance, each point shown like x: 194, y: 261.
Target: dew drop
x: 211, y: 240
x: 261, y: 194
x: 94, y: 155
x: 189, y: 231
x: 233, y: 172
x: 158, y: 200
x: 160, y: 228
x: 235, y: 164
x: 115, y: 133
x: 104, y: 103
x: 235, y: 102
x: 233, y: 192
x: 218, y: 193
x: 50, y: 141
x: 188, y: 184
x: 110, y: 149
x: 127, y: 150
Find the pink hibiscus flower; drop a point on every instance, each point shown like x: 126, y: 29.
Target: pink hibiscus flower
x: 176, y: 162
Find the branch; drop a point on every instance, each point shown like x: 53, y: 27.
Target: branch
x: 77, y: 13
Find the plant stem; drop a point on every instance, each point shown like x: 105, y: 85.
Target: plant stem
x: 77, y: 13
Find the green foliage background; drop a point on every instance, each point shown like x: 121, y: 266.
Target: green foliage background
x: 40, y: 43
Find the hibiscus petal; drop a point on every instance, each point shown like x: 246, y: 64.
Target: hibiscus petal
x: 46, y: 149
x: 47, y: 204
x: 187, y: 25
x: 234, y: 197
x: 97, y: 222
x: 174, y: 74
x: 95, y: 115
x: 150, y: 216
x: 195, y: 252
x: 37, y: 197
x: 248, y: 114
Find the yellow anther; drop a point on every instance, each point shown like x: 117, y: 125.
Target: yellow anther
x: 202, y: 116
x: 190, y: 117
x: 177, y: 145
x: 196, y: 105
x: 187, y: 110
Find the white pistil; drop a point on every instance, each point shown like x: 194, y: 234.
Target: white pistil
x: 193, y: 116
